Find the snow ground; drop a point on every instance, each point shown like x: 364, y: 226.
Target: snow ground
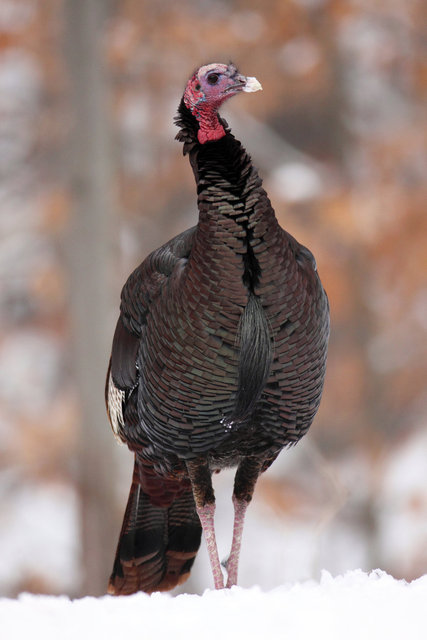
x: 353, y: 606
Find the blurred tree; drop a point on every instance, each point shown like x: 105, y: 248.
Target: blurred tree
x: 90, y: 241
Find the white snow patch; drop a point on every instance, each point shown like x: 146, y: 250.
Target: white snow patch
x: 32, y: 362
x: 296, y: 182
x: 402, y: 516
x: 38, y: 537
x: 353, y: 606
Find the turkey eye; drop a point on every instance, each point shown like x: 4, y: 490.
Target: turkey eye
x: 213, y: 78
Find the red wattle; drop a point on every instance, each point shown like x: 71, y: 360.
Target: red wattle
x: 210, y: 128
x: 210, y: 135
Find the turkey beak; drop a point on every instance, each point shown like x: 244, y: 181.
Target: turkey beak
x: 243, y: 83
x: 251, y: 85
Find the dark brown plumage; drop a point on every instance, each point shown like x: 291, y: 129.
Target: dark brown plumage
x: 219, y: 354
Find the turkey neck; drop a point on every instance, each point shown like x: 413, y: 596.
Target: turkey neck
x: 235, y: 215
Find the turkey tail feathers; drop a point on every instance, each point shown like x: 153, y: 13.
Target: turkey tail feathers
x: 256, y: 353
x: 157, y: 545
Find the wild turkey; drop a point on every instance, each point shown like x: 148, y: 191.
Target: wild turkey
x: 218, y: 357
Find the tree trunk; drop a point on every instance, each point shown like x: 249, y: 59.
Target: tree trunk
x: 89, y: 164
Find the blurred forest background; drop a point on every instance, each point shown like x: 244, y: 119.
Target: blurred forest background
x: 91, y: 180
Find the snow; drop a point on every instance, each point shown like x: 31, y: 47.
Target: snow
x: 296, y: 182
x: 51, y: 550
x: 353, y: 606
x: 402, y: 518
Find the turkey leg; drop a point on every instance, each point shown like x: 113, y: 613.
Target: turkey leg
x: 201, y: 483
x: 244, y: 484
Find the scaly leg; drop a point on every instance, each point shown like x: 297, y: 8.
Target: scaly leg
x: 201, y: 482
x: 244, y: 484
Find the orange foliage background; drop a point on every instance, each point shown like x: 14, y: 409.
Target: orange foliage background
x: 339, y: 136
